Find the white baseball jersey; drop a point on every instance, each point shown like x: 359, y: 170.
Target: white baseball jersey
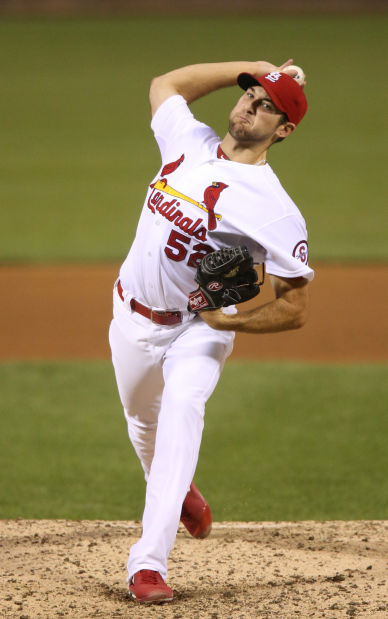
x: 200, y: 202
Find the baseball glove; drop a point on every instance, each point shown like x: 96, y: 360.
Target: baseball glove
x: 225, y: 277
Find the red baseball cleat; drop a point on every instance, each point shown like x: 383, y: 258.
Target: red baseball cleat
x: 196, y: 514
x: 149, y: 586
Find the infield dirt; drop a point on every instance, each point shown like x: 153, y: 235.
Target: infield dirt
x: 245, y: 570
x: 63, y: 312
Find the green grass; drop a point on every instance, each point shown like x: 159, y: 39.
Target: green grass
x: 281, y: 442
x: 77, y: 152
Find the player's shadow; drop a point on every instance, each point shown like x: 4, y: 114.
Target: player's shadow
x: 116, y: 594
x: 227, y: 593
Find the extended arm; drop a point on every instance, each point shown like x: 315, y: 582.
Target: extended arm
x: 287, y: 311
x: 197, y: 80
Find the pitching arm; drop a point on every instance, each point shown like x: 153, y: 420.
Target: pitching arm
x: 195, y: 81
x: 287, y: 311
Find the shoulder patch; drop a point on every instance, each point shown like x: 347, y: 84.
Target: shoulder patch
x: 301, y: 251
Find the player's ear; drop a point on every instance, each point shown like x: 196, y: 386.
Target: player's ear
x: 284, y: 130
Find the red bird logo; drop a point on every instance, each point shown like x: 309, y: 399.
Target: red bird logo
x: 169, y: 168
x: 210, y: 197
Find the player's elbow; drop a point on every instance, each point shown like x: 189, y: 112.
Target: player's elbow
x: 161, y: 88
x: 298, y: 305
x: 300, y: 316
x: 300, y: 320
x: 155, y: 86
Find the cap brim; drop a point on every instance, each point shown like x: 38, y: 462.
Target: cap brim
x: 246, y: 80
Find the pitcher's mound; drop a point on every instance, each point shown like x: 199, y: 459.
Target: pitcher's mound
x: 58, y: 568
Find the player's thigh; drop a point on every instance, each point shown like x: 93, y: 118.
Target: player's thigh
x: 138, y: 373
x: 193, y: 364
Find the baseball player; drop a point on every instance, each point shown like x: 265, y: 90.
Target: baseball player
x: 169, y: 337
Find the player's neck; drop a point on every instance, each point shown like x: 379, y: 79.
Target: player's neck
x: 253, y: 154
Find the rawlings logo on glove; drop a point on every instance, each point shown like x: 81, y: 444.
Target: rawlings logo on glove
x: 225, y: 277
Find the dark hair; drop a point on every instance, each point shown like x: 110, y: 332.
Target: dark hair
x: 282, y: 121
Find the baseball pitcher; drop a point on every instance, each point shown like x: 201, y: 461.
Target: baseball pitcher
x: 214, y: 211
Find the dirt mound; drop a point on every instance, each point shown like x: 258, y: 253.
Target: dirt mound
x: 245, y: 570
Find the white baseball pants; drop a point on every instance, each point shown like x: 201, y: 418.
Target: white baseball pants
x: 165, y: 375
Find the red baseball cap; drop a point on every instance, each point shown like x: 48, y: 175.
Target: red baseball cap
x: 284, y: 91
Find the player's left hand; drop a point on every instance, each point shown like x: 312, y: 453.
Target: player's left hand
x: 225, y: 277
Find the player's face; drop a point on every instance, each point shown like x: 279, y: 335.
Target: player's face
x: 255, y: 118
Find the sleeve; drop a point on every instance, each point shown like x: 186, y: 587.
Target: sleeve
x: 285, y: 242
x: 176, y: 129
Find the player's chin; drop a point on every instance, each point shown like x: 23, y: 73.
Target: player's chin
x: 240, y: 131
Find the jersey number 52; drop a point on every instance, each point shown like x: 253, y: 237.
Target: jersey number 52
x: 176, y: 249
